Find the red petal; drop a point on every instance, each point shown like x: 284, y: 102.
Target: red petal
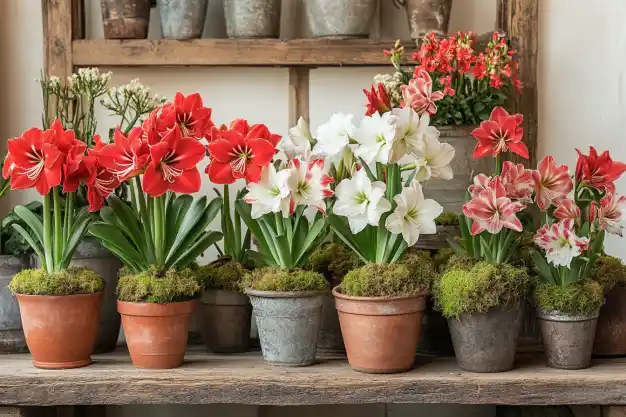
x: 220, y: 173
x: 481, y: 150
x: 153, y: 182
x: 187, y: 183
x: 220, y: 149
x: 192, y: 102
x: 519, y: 148
x: 189, y: 152
x: 159, y: 151
x: 262, y: 151
x: 253, y: 173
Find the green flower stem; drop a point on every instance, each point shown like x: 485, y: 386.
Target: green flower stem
x: 498, y: 170
x: 47, y: 262
x: 69, y: 215
x: 143, y: 216
x: 237, y: 250
x: 279, y: 224
x: 58, y: 228
x: 228, y: 225
x: 159, y: 229
x: 133, y: 199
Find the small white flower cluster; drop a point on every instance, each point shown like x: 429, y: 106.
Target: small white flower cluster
x: 133, y: 95
x: 89, y: 81
x: 392, y: 84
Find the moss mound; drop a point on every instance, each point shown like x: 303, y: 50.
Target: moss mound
x: 227, y: 276
x: 334, y: 261
x: 580, y: 298
x: 479, y: 288
x: 608, y: 271
x: 70, y: 281
x: 282, y: 280
x: 159, y: 288
x: 447, y: 218
x: 385, y: 280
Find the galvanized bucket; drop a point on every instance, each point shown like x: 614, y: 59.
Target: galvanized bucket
x: 11, y: 333
x: 182, y: 19
x: 340, y: 19
x: 567, y: 339
x: 289, y: 324
x: 225, y: 321
x: 125, y: 19
x: 249, y: 19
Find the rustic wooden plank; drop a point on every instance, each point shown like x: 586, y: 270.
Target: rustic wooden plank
x: 231, y: 52
x: 78, y: 19
x: 298, y: 94
x: 613, y: 411
x: 28, y: 412
x: 57, y: 29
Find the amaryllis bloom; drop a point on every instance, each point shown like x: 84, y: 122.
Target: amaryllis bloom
x: 79, y: 168
x: 481, y: 181
x: 412, y: 130
x: 375, y: 137
x: 611, y: 211
x: 552, y: 182
x: 433, y: 160
x: 99, y: 186
x: 492, y: 210
x: 298, y: 143
x: 377, y: 100
x: 309, y: 184
x: 598, y: 171
x: 560, y: 242
x: 240, y: 152
x: 517, y: 181
x: 361, y: 201
x: 127, y: 156
x: 270, y: 194
x: 567, y: 209
x: 334, y: 136
x: 189, y: 114
x: 172, y: 165
x: 419, y: 94
x: 502, y: 132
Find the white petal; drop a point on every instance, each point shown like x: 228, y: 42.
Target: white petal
x: 444, y: 172
x: 357, y: 223
x: 375, y: 211
x: 410, y: 234
x: 394, y: 223
x: 444, y: 155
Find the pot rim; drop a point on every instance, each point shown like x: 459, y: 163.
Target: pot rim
x: 338, y: 294
x: 41, y: 296
x: 178, y: 308
x: 284, y: 294
x: 564, y: 317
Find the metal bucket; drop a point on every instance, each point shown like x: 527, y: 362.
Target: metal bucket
x: 182, y: 19
x: 249, y: 19
x: 340, y: 19
x: 11, y: 333
x: 225, y: 321
x: 427, y: 16
x: 125, y: 19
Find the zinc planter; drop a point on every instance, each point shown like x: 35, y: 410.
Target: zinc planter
x: 567, y: 339
x: 225, y: 321
x: 11, y: 333
x: 330, y: 339
x: 249, y: 19
x: 182, y: 19
x: 340, y: 19
x: 381, y: 334
x: 427, y: 16
x: 156, y: 334
x: 125, y: 19
x: 288, y: 324
x: 60, y: 330
x: 610, y: 339
x: 486, y: 342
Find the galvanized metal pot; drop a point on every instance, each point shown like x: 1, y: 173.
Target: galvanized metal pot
x: 567, y: 339
x: 11, y: 333
x: 330, y: 339
x: 610, y: 337
x: 340, y: 19
x: 225, y: 321
x: 427, y: 16
x: 125, y: 19
x: 252, y: 18
x: 487, y: 342
x: 182, y: 19
x: 288, y: 323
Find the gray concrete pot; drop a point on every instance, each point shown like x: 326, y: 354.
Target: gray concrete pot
x: 330, y: 339
x: 249, y: 19
x: 487, y: 342
x: 340, y: 19
x: 11, y: 333
x: 567, y: 339
x: 288, y: 324
x: 182, y: 19
x: 225, y: 321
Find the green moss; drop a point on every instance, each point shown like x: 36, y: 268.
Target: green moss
x: 479, y: 288
x: 447, y: 218
x: 227, y: 276
x: 386, y: 280
x: 282, y: 280
x: 442, y: 256
x: 580, y: 298
x: 608, y: 271
x: 159, y: 288
x: 421, y: 266
x: 70, y: 281
x: 455, y: 261
x: 334, y: 261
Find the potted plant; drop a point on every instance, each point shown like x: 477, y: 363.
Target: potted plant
x: 125, y: 19
x: 162, y: 232
x: 340, y: 19
x: 610, y: 272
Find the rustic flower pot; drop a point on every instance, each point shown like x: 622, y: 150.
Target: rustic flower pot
x: 60, y: 330
x: 156, y: 334
x: 567, y: 339
x: 340, y: 19
x: 288, y: 325
x: 330, y: 339
x: 435, y: 334
x: 182, y: 19
x: 225, y: 321
x: 380, y: 333
x: 249, y: 19
x: 610, y: 339
x: 427, y: 16
x: 486, y: 342
x: 125, y: 19
x: 11, y: 333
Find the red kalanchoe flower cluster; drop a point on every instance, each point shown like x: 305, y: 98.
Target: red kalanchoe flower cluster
x: 598, y: 171
x: 502, y: 132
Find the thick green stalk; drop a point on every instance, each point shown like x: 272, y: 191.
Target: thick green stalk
x: 144, y: 219
x: 279, y: 223
x: 58, y: 228
x: 238, y: 250
x: 134, y: 204
x: 159, y: 230
x: 69, y: 215
x: 228, y: 225
x: 47, y: 262
x: 498, y: 170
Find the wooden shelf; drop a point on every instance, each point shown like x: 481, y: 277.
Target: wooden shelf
x: 246, y: 379
x: 226, y: 52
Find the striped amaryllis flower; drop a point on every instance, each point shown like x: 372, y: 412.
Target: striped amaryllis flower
x: 610, y: 213
x: 560, y: 242
x: 552, y: 182
x: 419, y: 94
x: 567, y: 209
x: 309, y: 184
x: 517, y: 181
x: 492, y: 210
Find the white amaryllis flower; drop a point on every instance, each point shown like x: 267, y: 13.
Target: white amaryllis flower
x: 414, y: 215
x: 334, y: 136
x: 361, y: 201
x: 308, y: 183
x: 433, y: 160
x: 298, y: 143
x: 411, y: 131
x: 560, y: 242
x: 270, y: 194
x: 375, y: 137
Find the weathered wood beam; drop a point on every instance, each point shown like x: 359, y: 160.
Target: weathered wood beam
x: 57, y: 29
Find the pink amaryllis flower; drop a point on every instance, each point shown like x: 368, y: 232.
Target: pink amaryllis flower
x: 502, y: 132
x: 492, y: 210
x: 419, y: 94
x: 481, y: 182
x: 517, y: 181
x: 567, y: 209
x: 560, y: 242
x: 598, y: 171
x: 552, y: 182
x: 610, y: 213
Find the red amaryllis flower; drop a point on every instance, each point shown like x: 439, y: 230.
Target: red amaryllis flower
x: 567, y: 209
x: 499, y: 134
x: 552, y: 182
x: 517, y: 181
x: 610, y: 213
x: 100, y: 184
x: 127, y: 156
x: 240, y: 152
x: 492, y: 210
x: 173, y: 165
x: 377, y: 100
x: 598, y: 171
x: 258, y: 131
x: 79, y: 168
x: 419, y: 94
x: 189, y: 114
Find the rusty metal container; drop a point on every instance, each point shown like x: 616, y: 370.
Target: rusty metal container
x: 427, y: 16
x: 125, y: 19
x: 610, y: 339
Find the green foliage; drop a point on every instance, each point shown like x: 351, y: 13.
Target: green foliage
x: 227, y: 276
x: 284, y: 280
x: 479, y: 288
x: 13, y: 243
x: 153, y: 286
x: 583, y: 297
x: 334, y: 261
x: 608, y: 271
x: 447, y: 218
x: 70, y: 281
x: 469, y: 107
x: 388, y: 280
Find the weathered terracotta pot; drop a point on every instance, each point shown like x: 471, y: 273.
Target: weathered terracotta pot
x: 427, y: 16
x: 11, y: 333
x: 60, y: 330
x: 225, y: 321
x: 381, y: 334
x: 610, y: 339
x: 156, y: 334
x: 125, y: 19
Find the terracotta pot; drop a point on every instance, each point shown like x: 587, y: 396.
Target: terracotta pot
x: 125, y: 19
x: 225, y: 321
x: 610, y: 337
x: 60, y: 330
x: 381, y: 334
x: 156, y: 334
x: 11, y: 333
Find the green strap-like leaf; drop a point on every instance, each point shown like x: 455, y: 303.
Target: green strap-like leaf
x: 73, y: 241
x: 341, y: 228
x: 260, y: 258
x: 194, y: 251
x: 28, y: 238
x: 192, y: 216
x: 127, y: 221
x: 545, y: 270
x: 112, y: 237
x: 32, y: 220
